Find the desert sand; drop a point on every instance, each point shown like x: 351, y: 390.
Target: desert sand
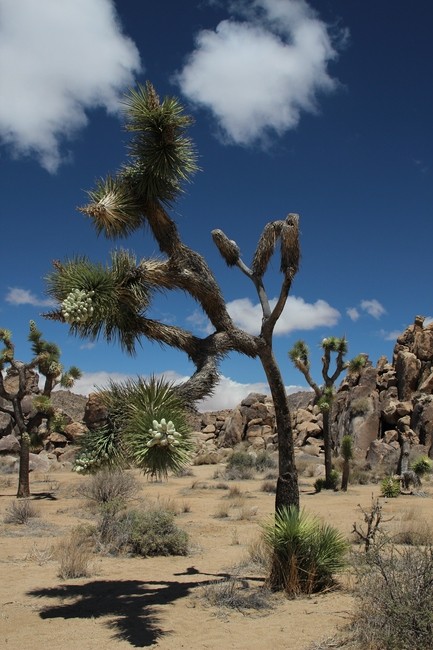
x: 158, y: 602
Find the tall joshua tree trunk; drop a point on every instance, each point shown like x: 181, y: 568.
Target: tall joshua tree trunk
x: 287, y: 484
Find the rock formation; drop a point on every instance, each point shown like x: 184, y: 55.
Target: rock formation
x: 387, y: 409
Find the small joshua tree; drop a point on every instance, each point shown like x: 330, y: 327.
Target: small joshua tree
x: 46, y: 360
x: 113, y: 300
x: 300, y: 357
x: 49, y: 363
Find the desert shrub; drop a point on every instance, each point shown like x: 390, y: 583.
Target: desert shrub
x: 269, y: 486
x: 109, y: 486
x: 74, y: 554
x: 390, y: 487
x: 20, y: 512
x: 153, y: 532
x: 359, y: 406
x: 422, y: 465
x: 146, y: 532
x: 412, y: 529
x: 306, y: 553
x: 235, y: 593
x: 264, y: 461
x: 395, y: 599
x: 241, y: 465
x: 330, y: 484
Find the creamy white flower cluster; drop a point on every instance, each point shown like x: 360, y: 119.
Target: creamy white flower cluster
x: 77, y: 307
x: 164, y: 434
x: 86, y: 462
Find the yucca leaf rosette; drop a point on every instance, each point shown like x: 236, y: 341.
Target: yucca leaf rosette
x: 158, y: 446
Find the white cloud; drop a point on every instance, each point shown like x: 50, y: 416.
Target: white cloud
x: 257, y: 74
x: 297, y: 315
x: 373, y: 308
x: 57, y: 61
x: 353, y: 313
x: 228, y: 393
x: 390, y: 336
x: 16, y: 296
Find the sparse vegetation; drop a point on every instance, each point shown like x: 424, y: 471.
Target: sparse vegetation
x: 241, y: 465
x: 109, y: 486
x: 74, y: 554
x: 20, y: 512
x: 236, y: 593
x: 394, y: 594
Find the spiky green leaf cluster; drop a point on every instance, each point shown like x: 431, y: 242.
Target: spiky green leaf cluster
x: 335, y: 344
x: 299, y: 354
x: 118, y: 293
x: 161, y: 159
x: 357, y: 363
x: 43, y: 404
x: 138, y: 413
x: 325, y: 401
x: 346, y: 448
x: 307, y: 552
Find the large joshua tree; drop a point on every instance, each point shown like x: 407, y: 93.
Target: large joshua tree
x: 113, y: 300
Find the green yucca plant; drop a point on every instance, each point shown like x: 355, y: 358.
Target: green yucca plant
x: 390, y: 487
x: 306, y: 553
x: 146, y: 427
x: 422, y: 465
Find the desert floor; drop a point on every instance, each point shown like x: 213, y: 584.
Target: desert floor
x: 159, y: 602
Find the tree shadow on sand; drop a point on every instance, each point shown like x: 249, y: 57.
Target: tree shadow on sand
x: 132, y: 603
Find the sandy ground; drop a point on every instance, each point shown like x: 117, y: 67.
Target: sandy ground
x: 158, y: 602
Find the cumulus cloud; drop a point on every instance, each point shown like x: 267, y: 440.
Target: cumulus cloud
x: 373, y: 308
x: 58, y: 60
x: 297, y: 315
x: 230, y: 393
x: 16, y: 296
x: 260, y: 69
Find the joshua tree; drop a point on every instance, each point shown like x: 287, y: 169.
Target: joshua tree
x: 112, y: 300
x: 300, y: 357
x: 49, y: 363
x: 16, y: 389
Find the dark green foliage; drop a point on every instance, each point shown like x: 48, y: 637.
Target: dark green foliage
x: 330, y: 484
x: 133, y: 408
x: 422, y: 465
x: 346, y: 448
x: 390, y: 487
x: 300, y: 354
x: 120, y: 295
x: 306, y: 552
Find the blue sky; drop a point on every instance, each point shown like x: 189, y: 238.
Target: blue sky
x: 321, y: 108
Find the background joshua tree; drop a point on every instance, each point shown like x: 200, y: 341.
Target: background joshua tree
x: 49, y: 363
x: 113, y: 300
x: 300, y: 356
x: 347, y: 455
x: 46, y: 360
